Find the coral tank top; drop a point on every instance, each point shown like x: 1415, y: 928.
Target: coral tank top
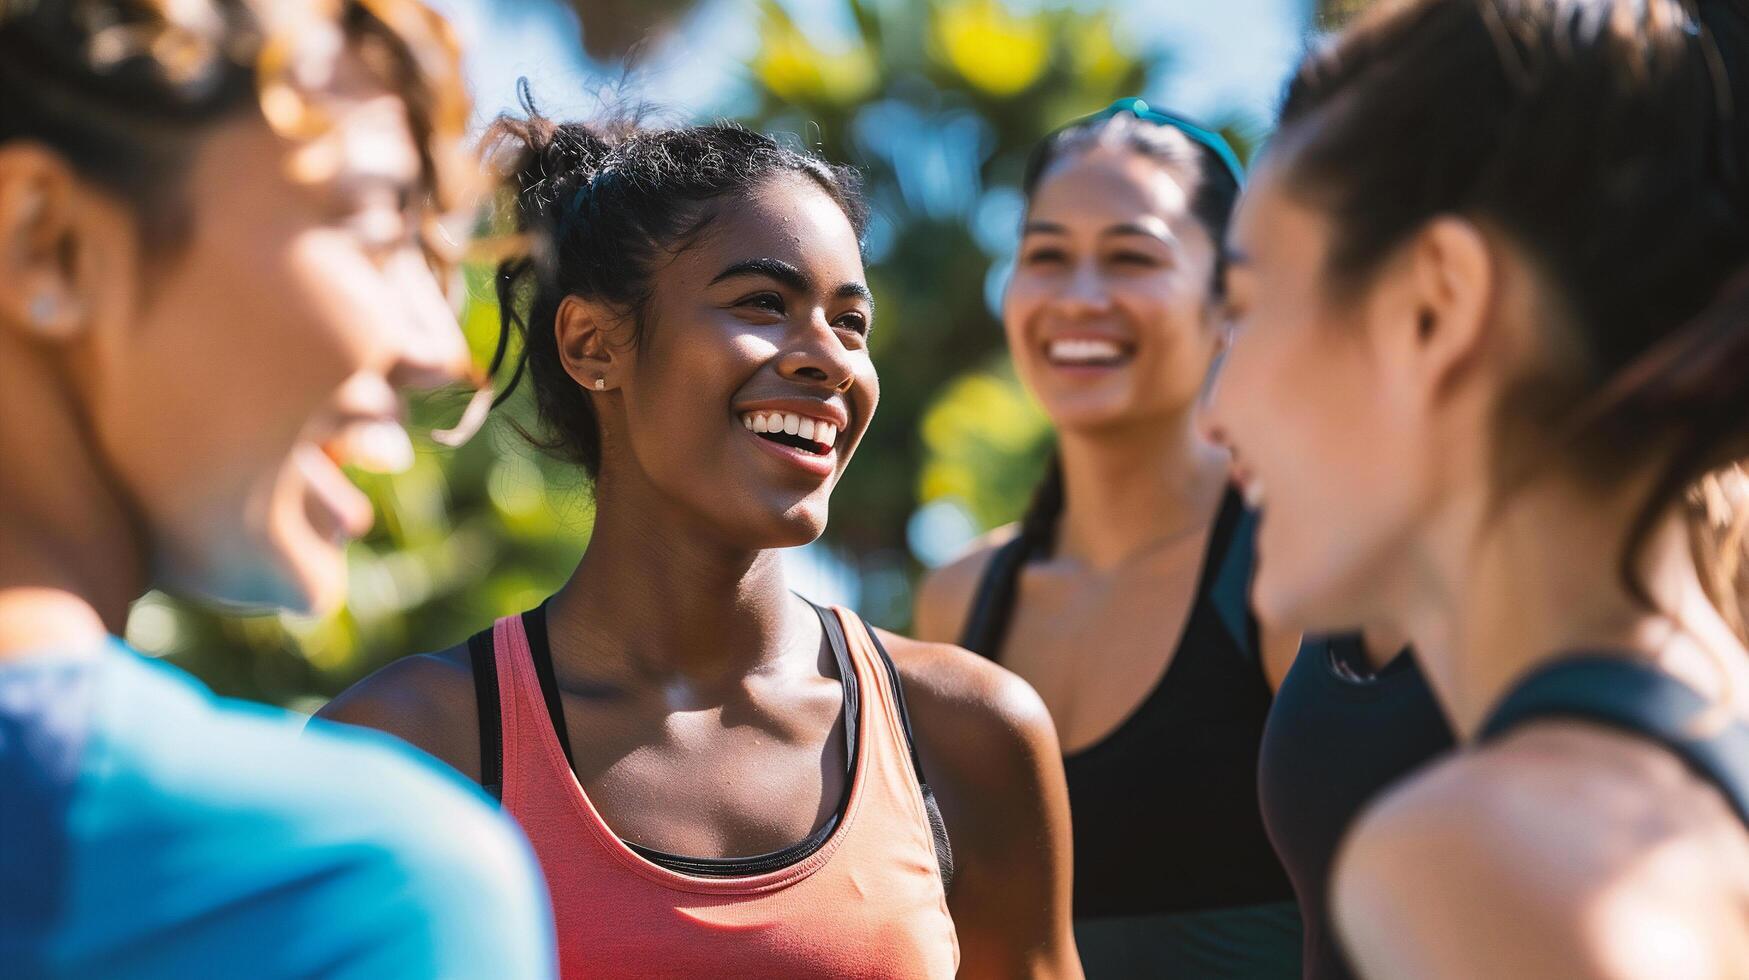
x: 868, y: 903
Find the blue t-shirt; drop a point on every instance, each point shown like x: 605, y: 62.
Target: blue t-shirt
x: 151, y: 829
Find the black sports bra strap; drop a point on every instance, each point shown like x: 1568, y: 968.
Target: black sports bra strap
x: 1231, y: 559
x: 846, y: 679
x: 1635, y: 697
x: 993, y: 604
x: 534, y: 626
x: 489, y: 711
x: 931, y: 808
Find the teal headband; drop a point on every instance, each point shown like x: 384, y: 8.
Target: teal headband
x: 1202, y: 136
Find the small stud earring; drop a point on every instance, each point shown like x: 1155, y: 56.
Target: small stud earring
x: 600, y: 384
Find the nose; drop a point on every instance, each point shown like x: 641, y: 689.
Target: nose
x: 818, y: 356
x: 1084, y: 294
x: 429, y: 349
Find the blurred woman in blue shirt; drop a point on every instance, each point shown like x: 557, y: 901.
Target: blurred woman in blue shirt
x: 218, y: 264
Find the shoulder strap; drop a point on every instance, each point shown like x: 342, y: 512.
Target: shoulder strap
x: 1232, y: 559
x: 993, y: 604
x: 846, y: 679
x: 534, y: 626
x: 931, y: 808
x: 491, y: 714
x: 1640, y: 699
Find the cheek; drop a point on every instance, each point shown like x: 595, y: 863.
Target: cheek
x: 1171, y: 323
x: 679, y: 409
x: 1019, y: 305
x: 1322, y: 442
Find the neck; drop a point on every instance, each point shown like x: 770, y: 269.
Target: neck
x: 659, y: 596
x: 71, y: 560
x: 1130, y: 489
x: 1540, y: 581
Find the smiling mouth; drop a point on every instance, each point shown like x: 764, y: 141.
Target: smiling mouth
x: 1083, y: 352
x: 817, y: 437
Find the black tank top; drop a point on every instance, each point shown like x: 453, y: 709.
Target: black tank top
x: 1627, y: 694
x: 1338, y: 734
x: 1174, y: 874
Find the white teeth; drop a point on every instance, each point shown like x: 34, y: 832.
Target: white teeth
x: 818, y: 431
x: 376, y: 447
x: 1083, y: 350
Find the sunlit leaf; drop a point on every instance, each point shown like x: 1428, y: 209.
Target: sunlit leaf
x: 991, y: 47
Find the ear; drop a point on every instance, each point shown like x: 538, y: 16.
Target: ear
x: 583, y: 329
x: 1452, y: 281
x: 51, y: 233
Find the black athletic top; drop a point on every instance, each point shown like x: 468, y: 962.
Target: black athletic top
x: 1174, y: 874
x: 1338, y: 734
x: 534, y: 623
x: 1627, y: 694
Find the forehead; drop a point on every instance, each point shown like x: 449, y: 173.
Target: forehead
x: 1105, y: 185
x: 788, y: 217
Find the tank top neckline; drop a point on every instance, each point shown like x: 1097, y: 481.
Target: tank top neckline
x: 1214, y: 548
x: 540, y: 647
x: 511, y: 636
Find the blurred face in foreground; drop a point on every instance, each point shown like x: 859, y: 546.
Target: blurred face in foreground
x: 1329, y: 435
x: 226, y: 376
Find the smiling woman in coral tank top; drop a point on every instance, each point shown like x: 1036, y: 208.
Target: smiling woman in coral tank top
x: 719, y: 777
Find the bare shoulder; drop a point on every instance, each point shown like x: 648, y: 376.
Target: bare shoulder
x: 1564, y: 850
x: 426, y: 699
x: 945, y: 595
x: 965, y: 699
x: 989, y: 751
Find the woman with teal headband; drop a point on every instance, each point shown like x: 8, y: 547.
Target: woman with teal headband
x: 1121, y: 595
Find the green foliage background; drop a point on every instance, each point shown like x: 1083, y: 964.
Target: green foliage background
x: 939, y: 102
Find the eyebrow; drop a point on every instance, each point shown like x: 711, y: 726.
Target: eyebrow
x: 1126, y: 228
x: 792, y: 277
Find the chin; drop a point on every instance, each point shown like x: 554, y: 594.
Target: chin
x: 799, y: 524
x: 1283, y: 601
x: 294, y: 570
x: 797, y: 530
x: 1092, y: 416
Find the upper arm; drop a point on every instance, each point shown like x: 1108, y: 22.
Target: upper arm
x: 990, y: 752
x: 944, y: 597
x: 426, y: 700
x: 1452, y: 877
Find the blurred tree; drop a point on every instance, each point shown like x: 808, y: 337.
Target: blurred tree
x: 611, y: 28
x: 1329, y: 15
